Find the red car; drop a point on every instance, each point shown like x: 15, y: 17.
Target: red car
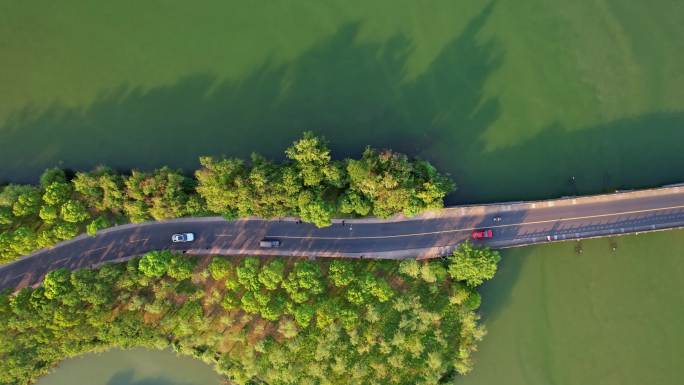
x: 482, y: 234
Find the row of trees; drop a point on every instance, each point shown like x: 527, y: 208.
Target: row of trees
x: 309, y: 185
x: 258, y: 321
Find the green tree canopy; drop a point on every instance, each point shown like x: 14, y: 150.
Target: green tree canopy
x: 74, y: 211
x: 57, y: 283
x: 473, y: 265
x: 27, y: 203
x: 52, y: 175
x: 98, y: 223
x: 155, y: 263
x: 57, y: 193
x: 219, y: 268
x: 271, y: 274
x: 341, y: 272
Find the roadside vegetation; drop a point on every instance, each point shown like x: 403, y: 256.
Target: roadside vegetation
x: 270, y: 321
x: 309, y: 185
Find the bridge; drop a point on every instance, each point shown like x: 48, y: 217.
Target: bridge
x: 429, y: 235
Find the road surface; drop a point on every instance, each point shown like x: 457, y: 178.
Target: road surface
x: 425, y: 236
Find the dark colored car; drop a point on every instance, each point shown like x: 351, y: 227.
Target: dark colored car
x: 482, y: 234
x: 269, y: 243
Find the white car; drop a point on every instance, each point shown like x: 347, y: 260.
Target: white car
x: 182, y: 237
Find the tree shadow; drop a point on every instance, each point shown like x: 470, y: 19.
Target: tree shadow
x: 637, y: 152
x: 496, y: 293
x: 353, y: 92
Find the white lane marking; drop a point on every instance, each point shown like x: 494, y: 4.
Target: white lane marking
x: 474, y: 228
x: 138, y: 240
x: 224, y: 235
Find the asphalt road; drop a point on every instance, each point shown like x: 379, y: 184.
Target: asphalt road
x: 426, y: 236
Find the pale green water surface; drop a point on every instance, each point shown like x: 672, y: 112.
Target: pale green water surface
x: 132, y: 367
x: 511, y: 97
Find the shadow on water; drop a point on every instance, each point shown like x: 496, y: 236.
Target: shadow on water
x: 637, y: 152
x: 496, y: 293
x: 355, y: 93
x: 126, y: 377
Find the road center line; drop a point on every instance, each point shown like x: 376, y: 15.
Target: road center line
x: 474, y: 228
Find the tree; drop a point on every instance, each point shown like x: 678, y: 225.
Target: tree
x: 46, y: 238
x: 382, y: 291
x: 273, y: 309
x: 6, y: 217
x: 230, y: 301
x: 218, y: 182
x: 57, y: 283
x: 249, y: 302
x: 155, y: 263
x: 341, y: 273
x: 180, y: 267
x: 49, y: 214
x: 247, y: 273
x: 101, y: 188
x: 65, y: 230
x: 288, y: 328
x: 136, y: 211
x: 27, y: 203
x: 394, y: 184
x: 314, y: 209
x: 312, y: 158
x: 302, y: 314
x: 473, y: 265
x: 272, y: 274
x: 22, y: 240
x: 98, y: 223
x: 57, y: 193
x: 162, y: 194
x: 52, y: 175
x: 219, y: 268
x: 351, y: 202
x: 74, y: 212
x: 409, y: 267
x: 432, y: 272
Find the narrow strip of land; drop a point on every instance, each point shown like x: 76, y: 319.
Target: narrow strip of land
x: 426, y: 236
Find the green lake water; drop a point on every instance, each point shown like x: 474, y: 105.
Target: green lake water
x: 132, y: 367
x: 512, y: 98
